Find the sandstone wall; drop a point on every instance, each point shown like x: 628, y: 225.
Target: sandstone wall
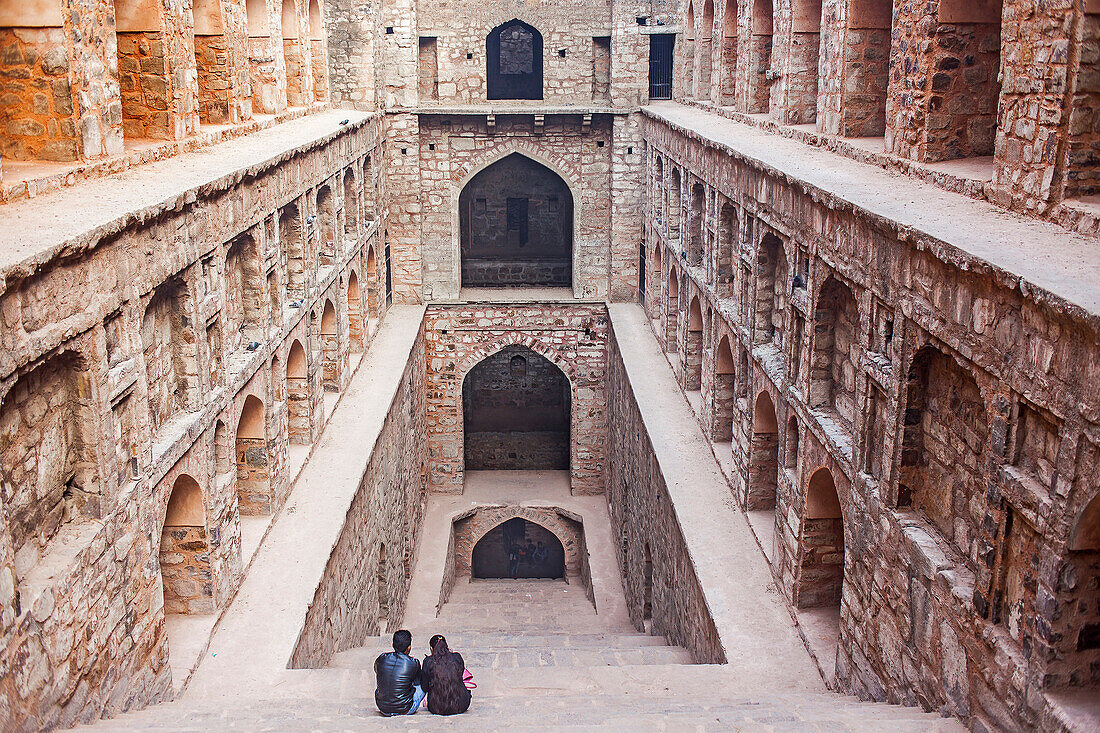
x: 170, y: 331
x: 459, y: 337
x: 81, y: 80
x: 372, y: 557
x: 663, y: 594
x: 1011, y: 80
x: 37, y: 107
x: 452, y: 150
x: 953, y: 423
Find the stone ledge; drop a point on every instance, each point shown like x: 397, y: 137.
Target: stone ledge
x: 1049, y: 264
x: 1070, y: 213
x: 79, y: 171
x: 72, y: 221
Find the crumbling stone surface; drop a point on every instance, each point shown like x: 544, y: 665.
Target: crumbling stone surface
x: 937, y: 81
x: 953, y: 516
x: 159, y: 356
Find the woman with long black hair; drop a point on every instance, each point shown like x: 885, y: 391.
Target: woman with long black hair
x: 442, y: 679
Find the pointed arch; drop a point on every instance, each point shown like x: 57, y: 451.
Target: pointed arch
x: 692, y: 354
x: 331, y: 357
x: 355, y: 313
x: 299, y: 399
x: 514, y: 58
x: 254, y: 494
x: 821, y: 544
x: 721, y: 425
x: 516, y: 224
x: 516, y: 418
x: 185, y: 566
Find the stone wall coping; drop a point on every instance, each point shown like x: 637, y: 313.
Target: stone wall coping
x: 756, y: 629
x: 1046, y: 262
x: 74, y: 220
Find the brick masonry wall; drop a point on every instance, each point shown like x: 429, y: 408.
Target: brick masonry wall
x: 643, y: 518
x: 385, y: 512
x: 951, y: 595
x: 103, y: 586
x: 573, y: 337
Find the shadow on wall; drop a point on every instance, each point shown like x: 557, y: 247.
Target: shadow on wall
x: 516, y: 226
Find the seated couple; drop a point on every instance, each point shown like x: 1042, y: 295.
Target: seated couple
x: 403, y: 683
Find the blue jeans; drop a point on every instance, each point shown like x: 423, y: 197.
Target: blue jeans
x: 418, y: 696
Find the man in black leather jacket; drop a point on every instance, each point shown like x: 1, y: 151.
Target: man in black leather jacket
x: 398, y: 691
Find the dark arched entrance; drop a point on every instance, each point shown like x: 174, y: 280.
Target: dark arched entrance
x: 518, y: 549
x: 513, y: 58
x: 515, y: 407
x: 516, y: 222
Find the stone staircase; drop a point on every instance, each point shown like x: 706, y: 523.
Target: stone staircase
x: 508, y: 624
x: 544, y: 659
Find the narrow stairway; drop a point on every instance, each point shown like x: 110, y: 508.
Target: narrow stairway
x: 507, y: 624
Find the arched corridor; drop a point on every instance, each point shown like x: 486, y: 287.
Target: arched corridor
x: 518, y: 548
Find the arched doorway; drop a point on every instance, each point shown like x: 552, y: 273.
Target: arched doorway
x: 516, y: 226
x: 518, y: 548
x: 513, y: 58
x: 516, y: 413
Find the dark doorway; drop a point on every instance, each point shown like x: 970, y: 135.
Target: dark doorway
x: 660, y: 65
x: 518, y: 549
x: 516, y: 220
x: 515, y: 407
x: 513, y: 56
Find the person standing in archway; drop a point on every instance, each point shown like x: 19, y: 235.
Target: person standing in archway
x: 513, y: 560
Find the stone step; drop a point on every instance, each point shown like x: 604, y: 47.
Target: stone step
x: 706, y: 710
x: 485, y: 640
x: 527, y: 656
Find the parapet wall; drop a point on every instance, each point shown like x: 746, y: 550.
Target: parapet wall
x: 663, y: 593
x: 366, y: 581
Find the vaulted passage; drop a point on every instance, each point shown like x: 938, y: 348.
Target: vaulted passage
x: 515, y: 407
x: 519, y: 549
x: 516, y: 219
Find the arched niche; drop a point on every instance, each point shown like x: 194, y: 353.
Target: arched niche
x: 514, y: 57
x: 516, y: 407
x: 185, y: 566
x: 821, y: 544
x: 516, y: 226
x: 760, y: 490
x: 254, y: 494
